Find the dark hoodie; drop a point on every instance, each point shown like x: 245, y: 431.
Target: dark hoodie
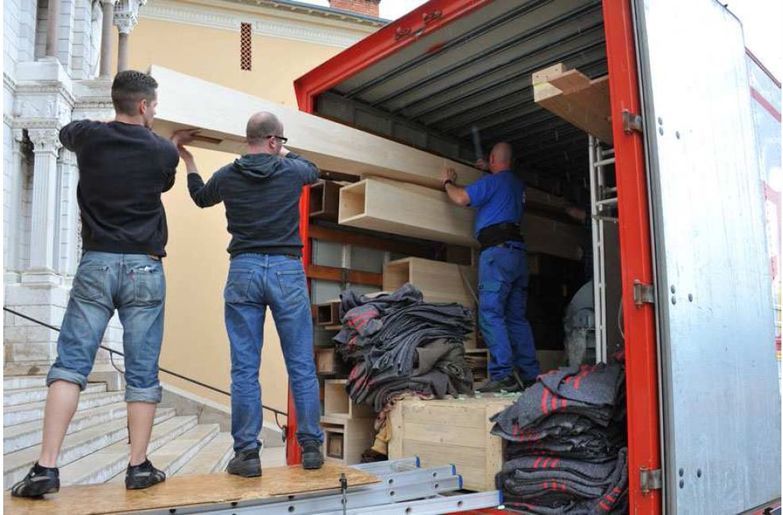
x: 261, y: 193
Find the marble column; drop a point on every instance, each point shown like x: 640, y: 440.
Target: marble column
x: 106, y: 38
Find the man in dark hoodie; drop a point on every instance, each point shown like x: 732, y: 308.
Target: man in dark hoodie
x: 261, y: 193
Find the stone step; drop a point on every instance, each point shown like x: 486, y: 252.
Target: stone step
x: 175, y: 454
x: 38, y: 394
x: 35, y: 410
x: 75, y: 446
x: 213, y: 458
x: 17, y: 382
x: 28, y: 434
x: 112, y: 460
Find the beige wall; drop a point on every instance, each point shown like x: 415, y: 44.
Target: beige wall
x: 195, y: 342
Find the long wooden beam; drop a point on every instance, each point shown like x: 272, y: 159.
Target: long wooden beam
x: 575, y: 98
x: 341, y: 275
x: 411, y: 210
x: 222, y: 113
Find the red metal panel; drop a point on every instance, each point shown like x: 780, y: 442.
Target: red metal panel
x: 293, y: 453
x: 635, y: 256
x: 423, y: 20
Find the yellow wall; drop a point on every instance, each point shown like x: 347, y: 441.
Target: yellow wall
x: 195, y: 342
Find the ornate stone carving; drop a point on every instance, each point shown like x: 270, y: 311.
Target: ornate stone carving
x: 45, y: 140
x: 126, y: 14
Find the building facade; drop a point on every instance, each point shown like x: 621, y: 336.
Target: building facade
x: 59, y: 61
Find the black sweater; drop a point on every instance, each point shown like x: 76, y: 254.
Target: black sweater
x: 261, y: 193
x: 123, y: 169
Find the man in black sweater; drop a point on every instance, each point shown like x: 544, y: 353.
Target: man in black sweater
x: 261, y: 193
x: 123, y: 169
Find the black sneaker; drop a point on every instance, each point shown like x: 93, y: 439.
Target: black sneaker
x: 245, y: 463
x: 507, y: 384
x: 312, y: 457
x: 524, y: 384
x: 143, y: 475
x: 39, y: 481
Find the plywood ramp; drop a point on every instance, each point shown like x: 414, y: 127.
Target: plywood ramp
x: 181, y: 491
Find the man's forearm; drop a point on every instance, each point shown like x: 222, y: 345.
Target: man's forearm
x: 457, y: 194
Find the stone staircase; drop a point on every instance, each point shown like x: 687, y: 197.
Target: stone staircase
x: 96, y: 447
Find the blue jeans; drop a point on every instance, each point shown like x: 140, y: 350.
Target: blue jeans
x: 134, y: 285
x: 256, y: 281
x: 503, y: 279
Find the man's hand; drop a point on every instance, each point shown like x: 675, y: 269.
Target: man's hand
x: 185, y: 154
x: 482, y: 165
x: 576, y: 213
x: 183, y: 137
x: 448, y: 174
x: 284, y: 151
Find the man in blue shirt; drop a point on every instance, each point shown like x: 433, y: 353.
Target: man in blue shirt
x: 499, y: 199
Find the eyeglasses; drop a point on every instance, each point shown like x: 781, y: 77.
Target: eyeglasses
x: 282, y: 139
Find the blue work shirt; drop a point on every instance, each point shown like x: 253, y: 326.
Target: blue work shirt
x: 498, y: 198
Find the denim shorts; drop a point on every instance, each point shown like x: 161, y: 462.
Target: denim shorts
x: 135, y: 286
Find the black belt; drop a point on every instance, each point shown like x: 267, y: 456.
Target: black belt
x: 498, y: 234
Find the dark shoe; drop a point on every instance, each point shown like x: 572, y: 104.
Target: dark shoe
x: 245, y: 463
x: 507, y: 384
x: 524, y: 384
x: 312, y: 457
x: 143, y: 475
x: 39, y: 481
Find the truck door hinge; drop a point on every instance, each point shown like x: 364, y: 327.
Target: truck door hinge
x: 643, y: 293
x: 631, y: 122
x: 650, y: 480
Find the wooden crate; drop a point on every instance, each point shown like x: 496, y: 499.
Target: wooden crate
x: 451, y: 431
x: 345, y: 439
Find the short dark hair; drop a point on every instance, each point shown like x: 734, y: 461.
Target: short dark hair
x: 261, y: 125
x: 129, y: 87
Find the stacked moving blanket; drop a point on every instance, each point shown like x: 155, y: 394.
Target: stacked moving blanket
x: 399, y: 344
x: 566, y: 450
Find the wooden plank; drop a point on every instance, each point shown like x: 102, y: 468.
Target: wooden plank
x: 192, y: 490
x: 325, y: 200
x: 376, y: 204
x: 438, y: 281
x: 575, y: 98
x: 330, y: 273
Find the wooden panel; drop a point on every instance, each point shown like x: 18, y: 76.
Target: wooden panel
x: 410, y: 210
x: 575, y: 98
x: 438, y: 281
x: 180, y: 491
x: 450, y: 431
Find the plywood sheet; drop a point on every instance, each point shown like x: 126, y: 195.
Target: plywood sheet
x: 182, y: 491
